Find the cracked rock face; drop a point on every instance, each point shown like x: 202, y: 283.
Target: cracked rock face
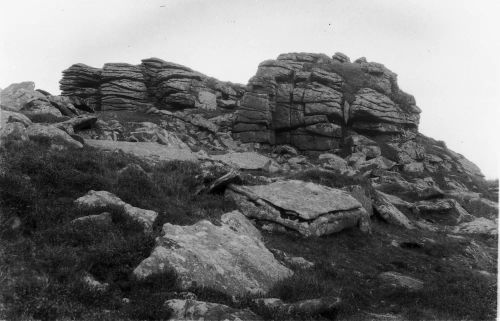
x: 154, y: 82
x: 299, y: 90
x: 307, y: 208
x: 230, y: 258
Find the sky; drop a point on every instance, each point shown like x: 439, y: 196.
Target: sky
x: 446, y: 53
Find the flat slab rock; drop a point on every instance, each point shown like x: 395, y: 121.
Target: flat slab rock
x: 230, y: 258
x: 245, y: 160
x: 149, y: 151
x: 308, y: 200
x: 199, y: 310
x: 309, y: 209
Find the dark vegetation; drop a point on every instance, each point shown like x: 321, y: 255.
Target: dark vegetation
x: 43, y: 258
x: 347, y: 265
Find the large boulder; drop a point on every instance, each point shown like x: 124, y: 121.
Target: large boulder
x: 307, y: 208
x: 13, y: 117
x: 41, y: 108
x: 229, y: 258
x: 52, y: 135
x: 16, y: 96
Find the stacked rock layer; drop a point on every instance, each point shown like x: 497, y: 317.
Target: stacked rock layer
x: 311, y: 100
x: 164, y: 85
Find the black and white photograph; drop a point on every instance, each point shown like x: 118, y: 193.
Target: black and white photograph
x: 249, y: 160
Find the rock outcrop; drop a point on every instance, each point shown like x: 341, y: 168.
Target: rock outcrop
x: 154, y: 82
x: 122, y: 87
x: 311, y: 100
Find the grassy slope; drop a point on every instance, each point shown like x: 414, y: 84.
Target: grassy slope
x: 44, y: 258
x: 41, y: 262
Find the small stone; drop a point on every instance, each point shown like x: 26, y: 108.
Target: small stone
x: 103, y: 199
x: 401, y: 281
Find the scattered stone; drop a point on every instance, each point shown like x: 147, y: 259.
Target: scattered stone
x: 286, y: 150
x: 362, y: 144
x: 479, y: 225
x: 224, y: 258
x: 399, y: 280
x: 443, y: 210
x: 150, y: 132
x: 393, y: 183
x: 363, y: 196
x: 414, y: 167
x: 333, y: 162
x: 382, y: 317
x: 187, y: 310
x: 99, y: 219
x: 103, y: 199
x: 389, y: 212
x: 92, y: 284
x: 396, y: 201
x: 325, y: 305
x: 220, y: 183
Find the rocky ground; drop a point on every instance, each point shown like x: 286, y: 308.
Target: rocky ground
x: 154, y: 192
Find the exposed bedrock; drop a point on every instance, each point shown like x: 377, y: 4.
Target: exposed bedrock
x: 311, y: 100
x: 154, y: 82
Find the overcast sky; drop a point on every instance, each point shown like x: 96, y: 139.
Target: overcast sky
x: 445, y: 53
